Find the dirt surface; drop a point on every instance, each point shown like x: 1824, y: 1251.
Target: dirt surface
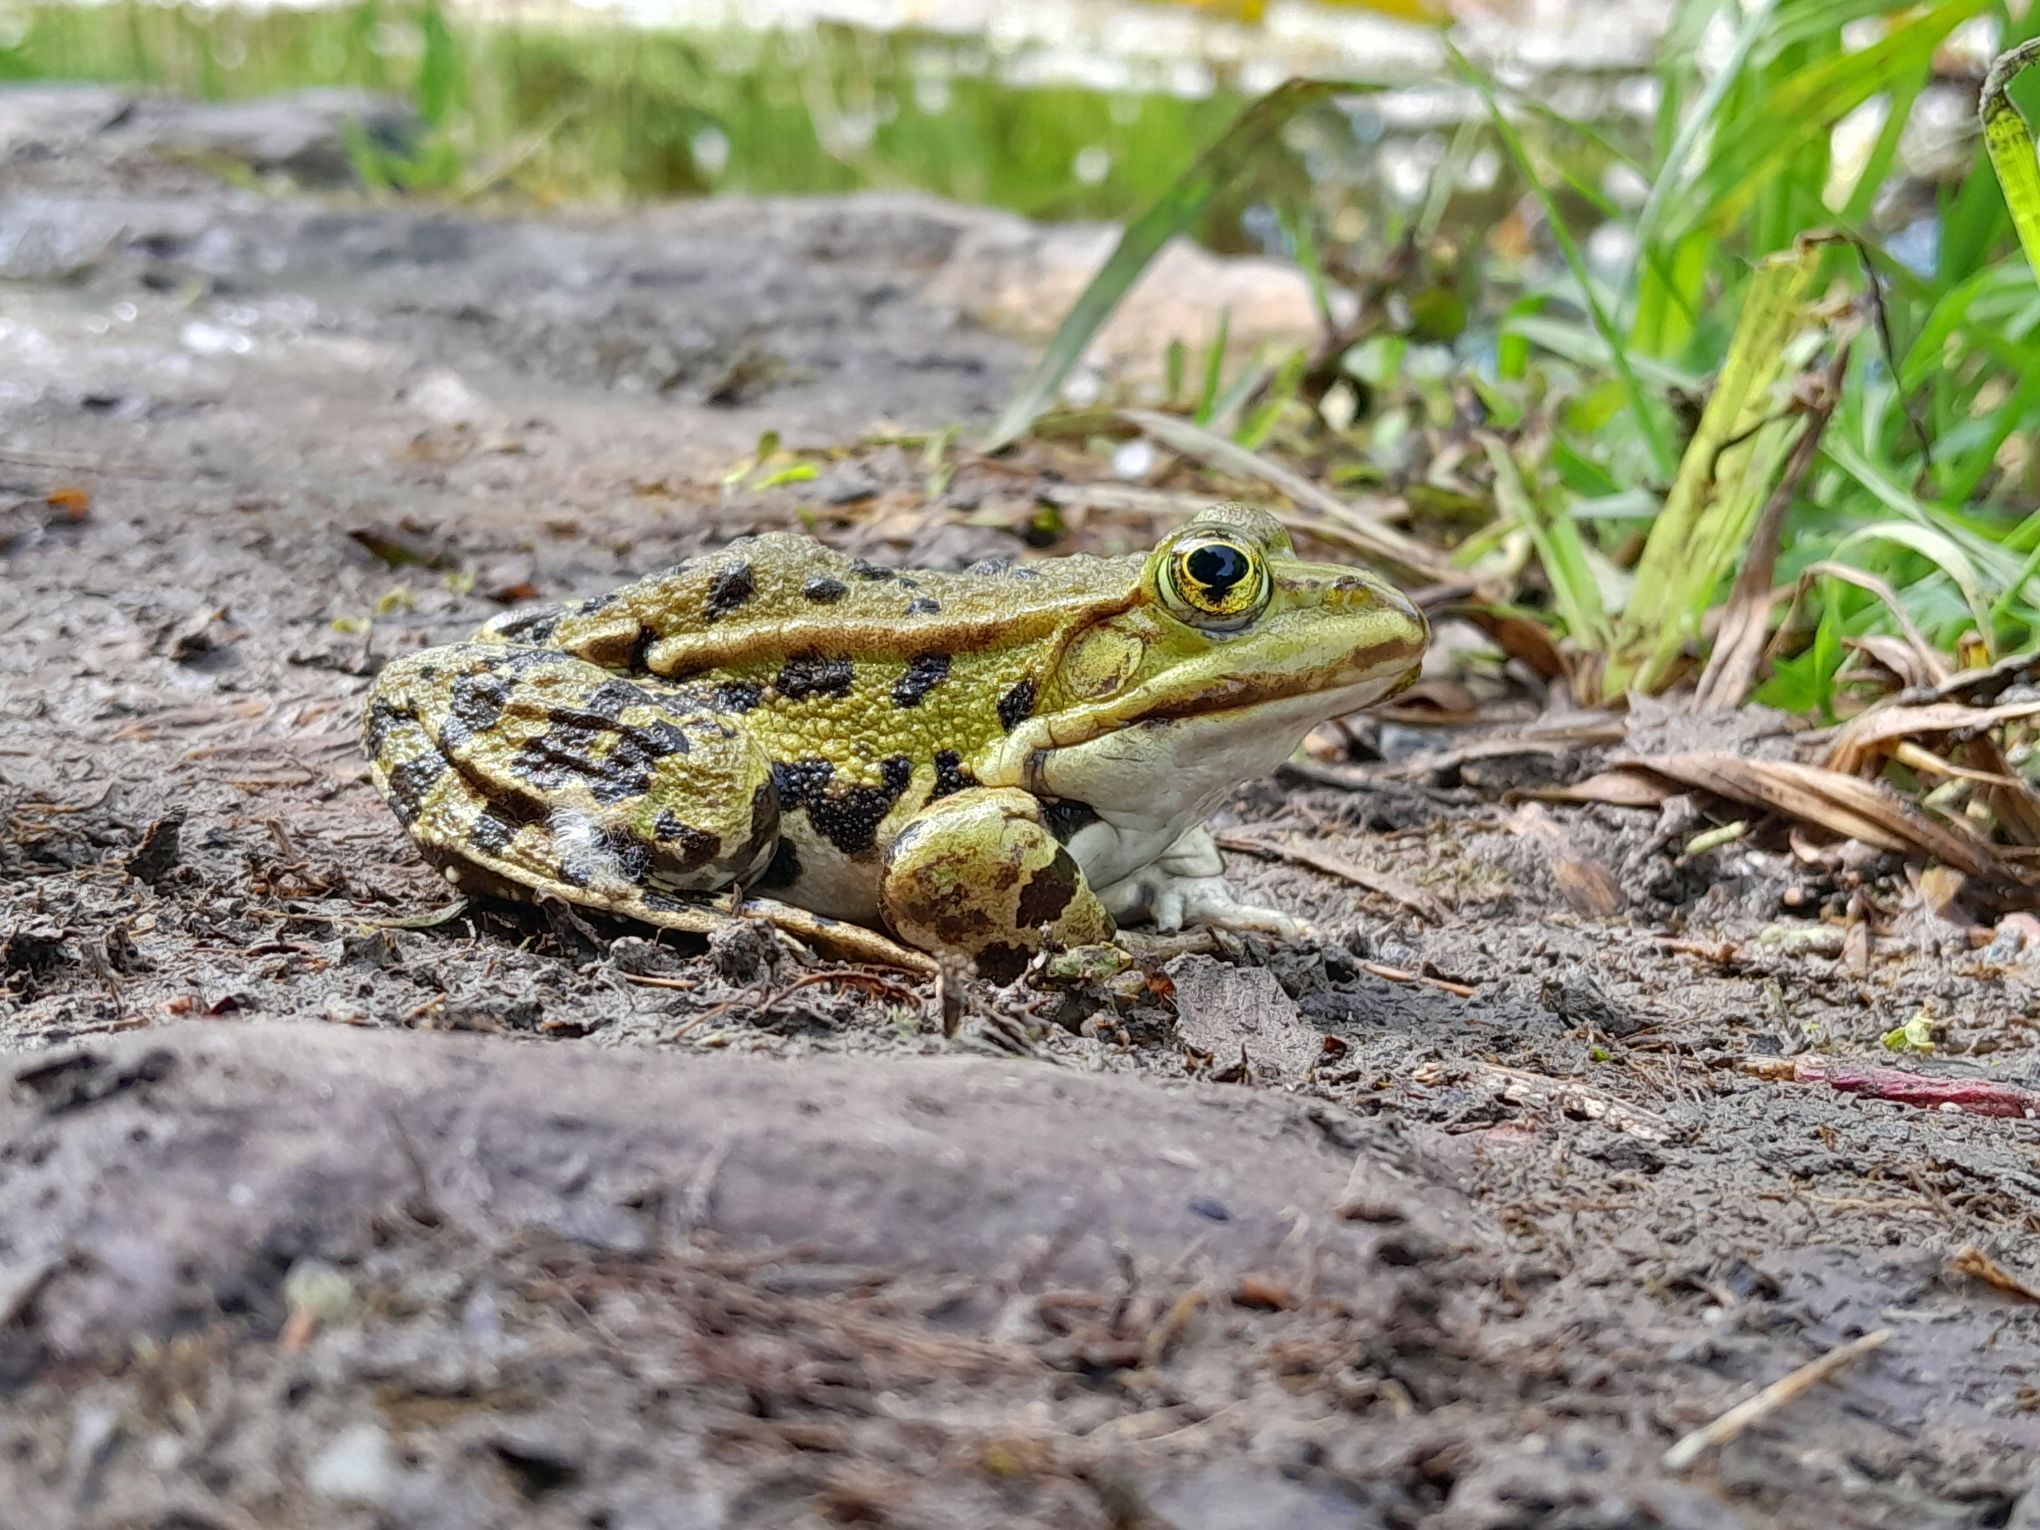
x: 1458, y: 1219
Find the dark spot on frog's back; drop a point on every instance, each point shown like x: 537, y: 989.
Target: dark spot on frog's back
x: 383, y: 720
x: 848, y: 816
x: 522, y: 659
x: 609, y: 699
x: 798, y: 782
x: 738, y: 695
x: 1017, y: 705
x: 809, y: 674
x: 478, y: 699
x: 824, y: 591
x: 927, y: 671
x: 922, y: 605
x: 950, y: 776
x: 728, y: 590
x: 685, y: 846
x: 492, y: 834
x: 409, y: 782
x: 536, y: 626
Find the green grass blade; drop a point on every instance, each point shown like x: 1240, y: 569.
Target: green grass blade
x: 1944, y: 553
x: 1721, y: 484
x: 1250, y: 136
x: 1581, y: 345
x: 2010, y: 143
x: 1561, y: 552
x: 1979, y: 550
x: 1788, y: 123
x: 1214, y: 369
x: 1649, y: 424
x: 1671, y: 174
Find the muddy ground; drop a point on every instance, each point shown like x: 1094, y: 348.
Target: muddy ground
x: 1458, y: 1219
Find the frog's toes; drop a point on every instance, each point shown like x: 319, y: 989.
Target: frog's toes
x: 1171, y: 903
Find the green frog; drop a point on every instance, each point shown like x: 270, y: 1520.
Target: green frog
x: 893, y: 765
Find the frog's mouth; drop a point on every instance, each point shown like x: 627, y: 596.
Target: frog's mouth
x: 1312, y: 663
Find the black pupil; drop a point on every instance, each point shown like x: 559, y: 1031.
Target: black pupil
x: 1217, y: 567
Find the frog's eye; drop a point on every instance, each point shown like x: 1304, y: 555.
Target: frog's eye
x: 1215, y: 582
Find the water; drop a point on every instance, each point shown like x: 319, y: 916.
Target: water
x: 1054, y: 108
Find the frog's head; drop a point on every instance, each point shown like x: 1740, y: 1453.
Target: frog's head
x: 1231, y: 649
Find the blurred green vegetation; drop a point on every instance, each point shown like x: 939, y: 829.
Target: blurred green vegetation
x: 1762, y: 349
x: 1784, y: 332
x: 590, y: 111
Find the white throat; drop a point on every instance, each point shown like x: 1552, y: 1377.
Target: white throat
x: 1152, y: 783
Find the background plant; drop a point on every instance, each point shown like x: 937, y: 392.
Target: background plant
x: 1801, y: 344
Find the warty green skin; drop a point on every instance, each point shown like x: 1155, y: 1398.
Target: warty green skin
x: 980, y: 762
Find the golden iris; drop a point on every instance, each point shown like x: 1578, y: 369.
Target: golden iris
x: 1215, y: 582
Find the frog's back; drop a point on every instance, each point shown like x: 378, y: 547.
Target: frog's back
x: 877, y: 672
x: 778, y: 595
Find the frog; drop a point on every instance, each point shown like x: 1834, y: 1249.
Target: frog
x: 900, y: 766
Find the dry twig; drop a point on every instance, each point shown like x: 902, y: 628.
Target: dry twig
x: 1691, y: 1447
x: 1346, y: 869
x: 1974, y: 1262
x: 1520, y: 1088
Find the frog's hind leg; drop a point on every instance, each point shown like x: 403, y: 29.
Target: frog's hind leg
x: 520, y: 768
x: 979, y: 873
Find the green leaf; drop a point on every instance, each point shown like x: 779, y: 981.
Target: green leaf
x: 1561, y: 551
x: 1939, y: 549
x: 1214, y: 369
x: 1792, y: 118
x: 2010, y: 143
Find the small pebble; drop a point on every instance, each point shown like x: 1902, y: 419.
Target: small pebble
x: 357, y: 1467
x: 1211, y: 1207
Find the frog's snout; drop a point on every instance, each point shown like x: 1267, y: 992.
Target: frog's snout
x: 1355, y: 593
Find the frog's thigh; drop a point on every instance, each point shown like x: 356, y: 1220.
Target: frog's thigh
x: 542, y: 770
x: 979, y: 872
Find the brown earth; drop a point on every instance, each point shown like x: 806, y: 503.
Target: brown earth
x: 1458, y: 1219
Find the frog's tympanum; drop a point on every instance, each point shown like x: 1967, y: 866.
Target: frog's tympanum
x: 982, y: 763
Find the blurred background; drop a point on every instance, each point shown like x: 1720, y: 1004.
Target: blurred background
x: 1533, y: 234
x: 1053, y: 108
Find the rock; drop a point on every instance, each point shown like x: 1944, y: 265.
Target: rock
x: 1021, y: 278
x: 303, y: 134
x: 951, y: 1164
x: 1220, y: 1009
x: 443, y: 397
x: 44, y: 120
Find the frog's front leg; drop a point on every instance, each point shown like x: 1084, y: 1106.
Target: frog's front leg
x: 1186, y: 885
x: 978, y: 872
x: 525, y: 769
